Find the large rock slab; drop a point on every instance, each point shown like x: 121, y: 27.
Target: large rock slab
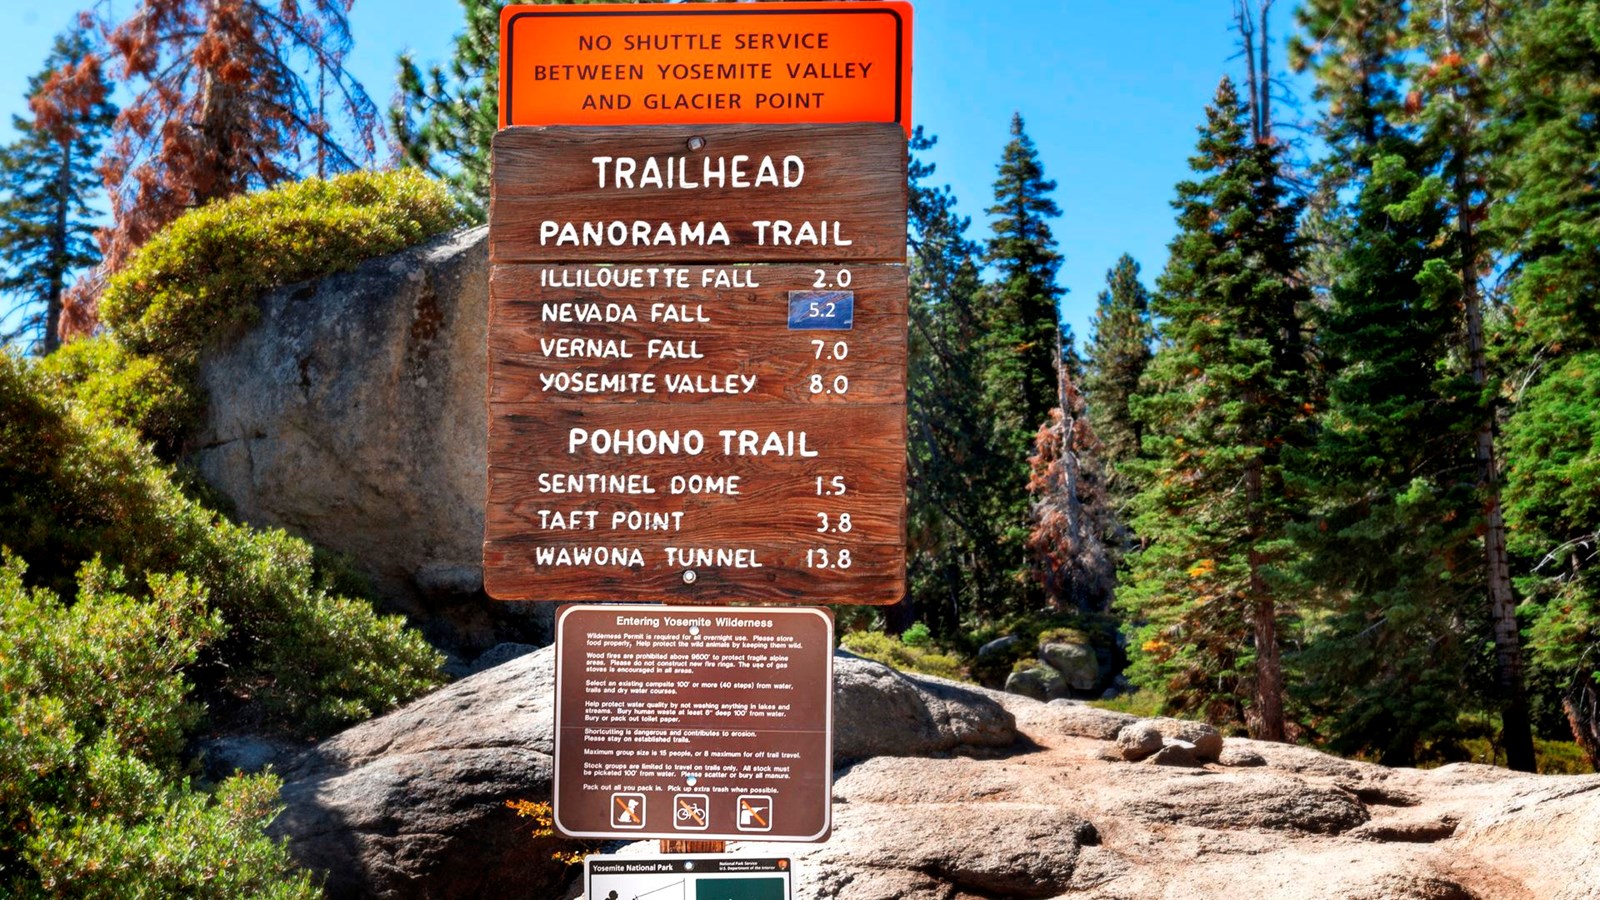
x: 412, y: 804
x: 879, y: 711
x: 353, y: 414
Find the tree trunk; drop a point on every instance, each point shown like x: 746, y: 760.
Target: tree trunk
x: 58, y: 252
x: 1517, y: 731
x: 1266, y: 720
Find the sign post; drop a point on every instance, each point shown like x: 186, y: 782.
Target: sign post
x: 697, y: 364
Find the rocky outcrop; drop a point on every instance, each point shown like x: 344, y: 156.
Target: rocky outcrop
x: 412, y: 804
x: 947, y: 791
x: 353, y: 414
x: 1062, y: 819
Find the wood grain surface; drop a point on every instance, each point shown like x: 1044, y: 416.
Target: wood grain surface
x: 854, y: 174
x: 560, y: 369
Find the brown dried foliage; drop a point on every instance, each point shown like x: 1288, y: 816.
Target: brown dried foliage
x: 1072, y: 519
x: 229, y: 95
x: 66, y: 98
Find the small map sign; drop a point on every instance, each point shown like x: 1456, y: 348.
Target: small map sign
x: 685, y: 878
x: 696, y: 722
x: 702, y: 63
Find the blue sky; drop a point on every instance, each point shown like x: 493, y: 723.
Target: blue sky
x: 1110, y: 91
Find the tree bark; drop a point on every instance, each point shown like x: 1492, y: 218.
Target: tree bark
x: 1266, y: 719
x: 1516, y: 729
x: 58, y: 252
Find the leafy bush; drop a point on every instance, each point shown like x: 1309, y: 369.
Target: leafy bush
x: 200, y: 276
x: 892, y: 652
x: 112, y: 384
x: 917, y: 635
x: 73, y: 489
x: 1063, y: 636
x: 93, y: 711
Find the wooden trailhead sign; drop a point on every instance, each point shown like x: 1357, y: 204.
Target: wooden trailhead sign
x: 697, y: 393
x: 705, y: 63
x: 683, y: 722
x: 697, y: 363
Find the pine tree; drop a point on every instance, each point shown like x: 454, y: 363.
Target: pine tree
x: 46, y: 221
x: 1023, y: 343
x: 227, y: 95
x: 1452, y: 99
x: 1546, y: 139
x: 955, y: 566
x: 1221, y: 400
x: 1026, y: 339
x: 444, y: 117
x: 1390, y: 478
x: 1119, y: 352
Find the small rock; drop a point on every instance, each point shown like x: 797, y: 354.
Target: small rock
x: 1240, y: 757
x: 499, y: 653
x: 1078, y: 719
x: 1408, y: 829
x: 1041, y: 682
x: 1207, y: 741
x: 1176, y: 753
x: 1076, y: 663
x: 1137, y: 741
x: 997, y: 647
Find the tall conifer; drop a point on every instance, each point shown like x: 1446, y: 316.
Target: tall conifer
x: 956, y: 569
x: 1023, y: 343
x: 1454, y: 42
x: 48, y: 178
x: 1221, y: 400
x: 1390, y: 478
x: 1546, y: 140
x: 1119, y: 351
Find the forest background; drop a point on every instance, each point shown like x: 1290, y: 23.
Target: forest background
x: 1331, y: 476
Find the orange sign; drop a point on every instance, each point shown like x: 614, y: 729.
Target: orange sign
x: 705, y: 63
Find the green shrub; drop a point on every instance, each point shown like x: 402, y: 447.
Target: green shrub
x: 1062, y: 636
x: 917, y: 635
x: 93, y: 711
x: 1144, y: 704
x: 200, y: 276
x: 892, y: 652
x: 112, y: 384
x: 73, y: 488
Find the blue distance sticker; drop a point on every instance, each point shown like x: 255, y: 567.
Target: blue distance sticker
x: 822, y: 310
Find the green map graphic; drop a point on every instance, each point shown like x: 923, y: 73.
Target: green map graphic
x: 739, y: 889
